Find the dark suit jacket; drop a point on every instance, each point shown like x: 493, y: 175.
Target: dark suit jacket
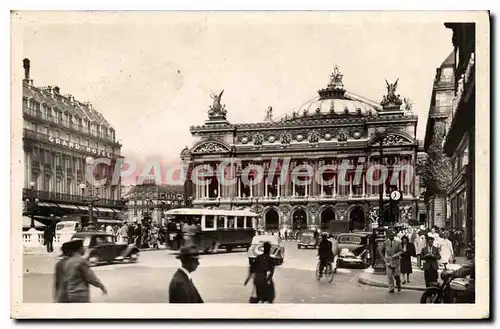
x: 431, y: 258
x: 325, y: 249
x: 182, y: 290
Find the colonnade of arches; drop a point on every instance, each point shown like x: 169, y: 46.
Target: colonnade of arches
x: 299, y: 218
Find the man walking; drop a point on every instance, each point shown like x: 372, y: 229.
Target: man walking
x: 48, y: 238
x: 78, y: 275
x: 419, y: 245
x: 60, y: 295
x: 182, y: 289
x: 431, y: 256
x: 392, y: 250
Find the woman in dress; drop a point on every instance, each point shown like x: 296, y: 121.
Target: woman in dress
x: 408, y: 253
x: 262, y: 270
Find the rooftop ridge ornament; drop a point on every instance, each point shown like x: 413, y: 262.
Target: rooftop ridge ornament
x: 217, y: 111
x: 336, y: 79
x: 391, y: 99
x: 269, y: 114
x: 335, y: 88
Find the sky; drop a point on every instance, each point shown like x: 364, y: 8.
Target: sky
x: 151, y: 74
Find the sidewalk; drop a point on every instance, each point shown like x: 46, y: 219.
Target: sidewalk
x: 368, y: 277
x: 57, y: 250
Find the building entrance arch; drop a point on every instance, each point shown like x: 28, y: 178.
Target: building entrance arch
x: 299, y: 219
x: 272, y: 220
x: 357, y: 219
x: 327, y: 215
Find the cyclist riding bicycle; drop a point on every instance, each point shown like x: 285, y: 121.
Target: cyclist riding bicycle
x: 325, y: 252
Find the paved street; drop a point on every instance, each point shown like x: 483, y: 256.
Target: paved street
x: 219, y: 279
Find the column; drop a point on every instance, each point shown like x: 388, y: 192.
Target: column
x: 279, y: 188
x: 334, y: 189
x: 350, y: 185
x: 363, y: 183
x: 239, y: 186
x: 265, y: 187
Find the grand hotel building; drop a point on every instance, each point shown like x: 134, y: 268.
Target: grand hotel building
x: 61, y: 136
x: 336, y: 126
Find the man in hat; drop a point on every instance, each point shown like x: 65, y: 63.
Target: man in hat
x: 182, y: 289
x: 59, y: 288
x: 392, y: 250
x: 78, y: 275
x: 430, y: 255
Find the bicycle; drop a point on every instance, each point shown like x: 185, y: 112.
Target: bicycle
x: 328, y: 271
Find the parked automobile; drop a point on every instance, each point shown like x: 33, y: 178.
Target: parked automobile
x: 101, y: 247
x: 257, y: 248
x: 308, y: 239
x: 354, y: 249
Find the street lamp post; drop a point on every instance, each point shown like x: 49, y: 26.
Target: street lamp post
x: 381, y: 135
x: 31, y: 203
x: 90, y: 200
x: 378, y: 262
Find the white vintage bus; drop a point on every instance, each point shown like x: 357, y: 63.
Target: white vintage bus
x: 210, y: 229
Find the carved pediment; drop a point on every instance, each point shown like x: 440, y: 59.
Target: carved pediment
x: 393, y: 139
x: 210, y: 147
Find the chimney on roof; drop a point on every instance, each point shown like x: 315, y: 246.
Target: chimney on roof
x: 26, y: 66
x: 57, y: 90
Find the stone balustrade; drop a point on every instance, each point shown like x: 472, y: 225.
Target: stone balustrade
x: 34, y: 239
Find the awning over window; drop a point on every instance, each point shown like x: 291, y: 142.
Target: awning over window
x: 83, y: 207
x: 104, y: 209
x: 46, y: 204
x: 63, y: 206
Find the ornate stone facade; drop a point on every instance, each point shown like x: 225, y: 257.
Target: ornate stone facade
x: 337, y: 126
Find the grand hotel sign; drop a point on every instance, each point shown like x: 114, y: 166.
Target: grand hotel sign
x: 80, y: 147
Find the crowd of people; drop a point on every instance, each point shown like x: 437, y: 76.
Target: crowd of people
x: 431, y: 247
x: 143, y: 235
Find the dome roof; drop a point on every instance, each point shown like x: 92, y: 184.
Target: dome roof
x: 338, y: 105
x: 334, y: 99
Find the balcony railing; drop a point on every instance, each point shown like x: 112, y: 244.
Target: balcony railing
x: 63, y: 197
x: 68, y: 124
x: 309, y: 198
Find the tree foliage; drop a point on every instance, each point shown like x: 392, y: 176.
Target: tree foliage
x: 437, y: 170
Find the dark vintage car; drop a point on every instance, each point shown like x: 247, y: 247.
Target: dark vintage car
x: 307, y: 239
x: 354, y: 249
x: 257, y: 248
x: 101, y: 247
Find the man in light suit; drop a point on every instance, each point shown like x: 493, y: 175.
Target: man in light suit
x: 182, y: 289
x: 392, y: 250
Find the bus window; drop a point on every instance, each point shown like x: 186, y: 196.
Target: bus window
x: 248, y: 222
x: 240, y: 222
x: 196, y: 220
x: 221, y: 222
x: 230, y: 222
x: 209, y: 223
